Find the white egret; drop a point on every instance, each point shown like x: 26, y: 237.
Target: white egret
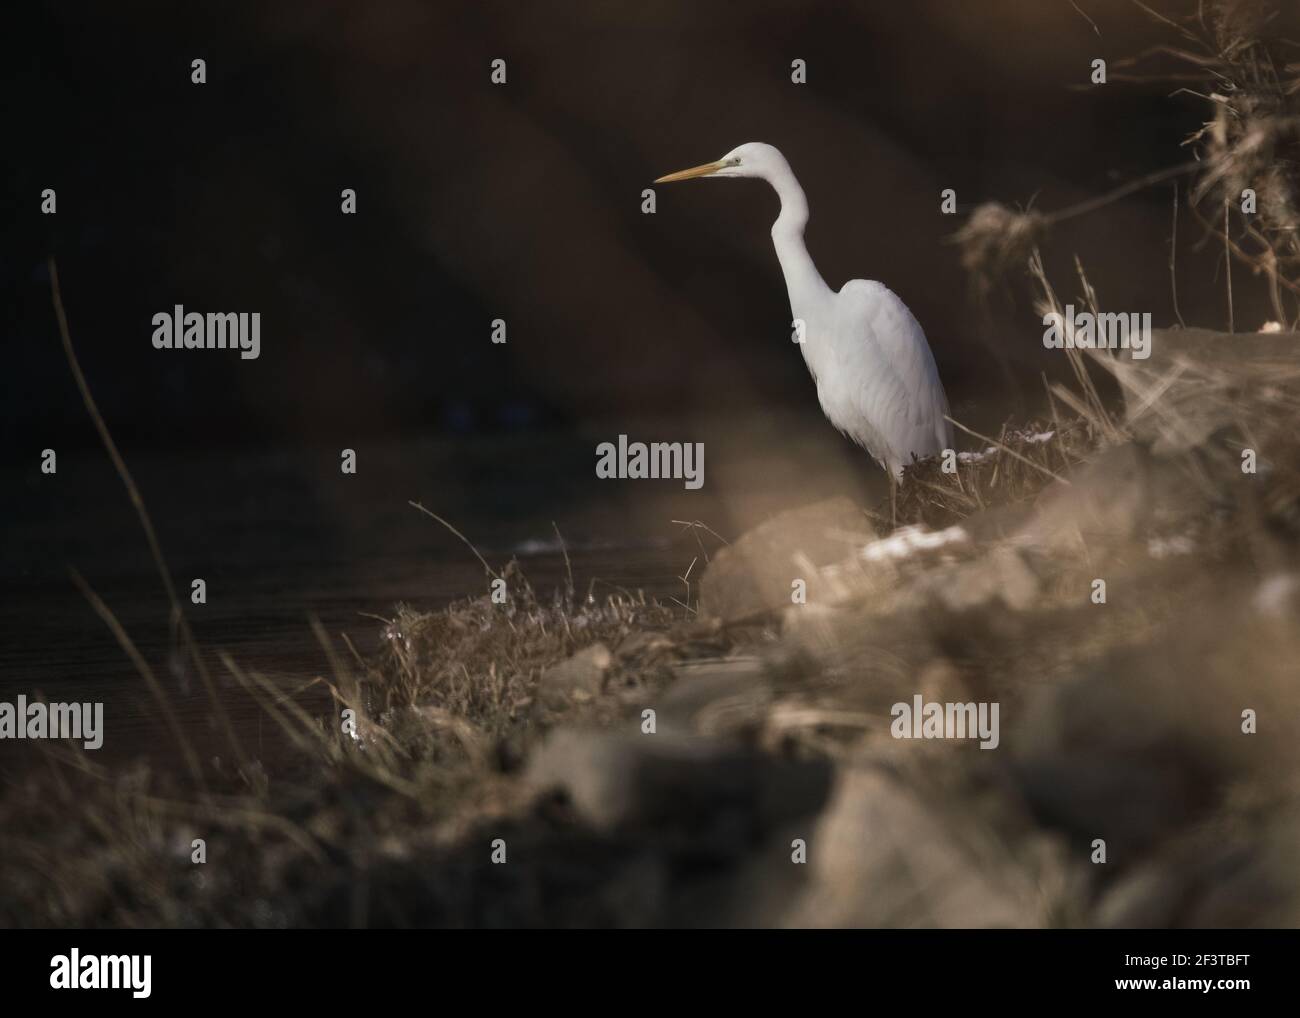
x: 875, y: 375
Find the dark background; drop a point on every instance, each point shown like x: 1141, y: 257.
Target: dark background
x: 522, y: 202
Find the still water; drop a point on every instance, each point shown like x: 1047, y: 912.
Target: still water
x: 282, y: 536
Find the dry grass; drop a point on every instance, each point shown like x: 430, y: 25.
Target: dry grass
x: 480, y: 661
x: 1250, y: 140
x: 1230, y: 56
x: 1015, y: 467
x: 436, y: 714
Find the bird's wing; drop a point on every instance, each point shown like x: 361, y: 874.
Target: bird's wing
x: 888, y: 374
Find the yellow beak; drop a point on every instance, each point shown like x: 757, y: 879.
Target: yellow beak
x: 694, y: 171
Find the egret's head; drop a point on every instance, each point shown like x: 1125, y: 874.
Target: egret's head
x: 753, y: 159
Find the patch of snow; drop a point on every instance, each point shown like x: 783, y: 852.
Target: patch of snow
x: 907, y: 541
x: 1029, y: 438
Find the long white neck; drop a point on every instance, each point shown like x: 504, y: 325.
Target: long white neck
x: 802, y: 280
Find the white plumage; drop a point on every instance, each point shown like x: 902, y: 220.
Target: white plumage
x: 875, y: 375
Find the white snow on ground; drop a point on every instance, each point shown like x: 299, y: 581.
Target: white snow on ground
x: 909, y: 540
x: 1035, y: 438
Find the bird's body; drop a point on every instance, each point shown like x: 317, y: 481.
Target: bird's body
x: 875, y: 375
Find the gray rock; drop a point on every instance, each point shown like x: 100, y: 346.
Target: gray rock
x: 885, y: 853
x: 1001, y: 575
x: 709, y: 694
x: 1106, y: 502
x: 1205, y: 381
x: 1236, y: 872
x: 616, y: 779
x: 755, y: 573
